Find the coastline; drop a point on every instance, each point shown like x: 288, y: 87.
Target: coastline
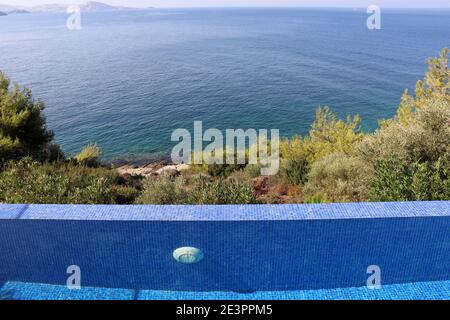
x: 151, y: 169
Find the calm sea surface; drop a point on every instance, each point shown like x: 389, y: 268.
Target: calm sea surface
x: 128, y: 79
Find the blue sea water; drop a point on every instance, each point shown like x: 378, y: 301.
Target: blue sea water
x: 128, y: 79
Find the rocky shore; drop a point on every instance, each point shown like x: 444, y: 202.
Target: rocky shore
x: 152, y: 169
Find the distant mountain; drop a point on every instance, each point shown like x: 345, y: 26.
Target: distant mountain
x: 7, y: 8
x: 92, y: 6
x: 50, y: 8
x: 18, y: 11
x: 3, y: 14
x: 99, y: 6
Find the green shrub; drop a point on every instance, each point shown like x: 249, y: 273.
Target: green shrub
x: 246, y: 175
x: 329, y: 135
x: 391, y: 181
x: 339, y: 177
x: 295, y: 171
x: 426, y: 138
x: 431, y: 181
x: 220, y: 191
x: 396, y: 180
x: 52, y: 153
x: 223, y: 170
x: 28, y: 181
x: 89, y: 155
x: 317, y: 198
x: 124, y: 194
x: 420, y: 131
x: 199, y: 190
x: 252, y: 170
x: 163, y: 190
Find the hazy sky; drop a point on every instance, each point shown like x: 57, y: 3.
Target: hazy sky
x: 247, y: 3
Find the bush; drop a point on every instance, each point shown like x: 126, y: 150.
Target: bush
x: 391, y: 181
x: 247, y: 159
x: 28, y: 181
x: 252, y: 170
x: 317, y: 198
x: 294, y: 164
x: 420, y: 132
x: 199, y: 190
x: 431, y: 181
x: 52, y: 153
x: 329, y: 135
x: 223, y: 170
x: 426, y: 138
x: 220, y: 191
x: 396, y: 180
x: 246, y: 175
x: 163, y: 190
x: 411, y: 152
x: 23, y: 131
x: 89, y: 155
x: 125, y: 194
x: 339, y: 177
x: 295, y: 171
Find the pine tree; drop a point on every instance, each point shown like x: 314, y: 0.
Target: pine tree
x: 23, y: 130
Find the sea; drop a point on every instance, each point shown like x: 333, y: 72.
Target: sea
x: 127, y: 79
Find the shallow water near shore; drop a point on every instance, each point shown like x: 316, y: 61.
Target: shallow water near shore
x: 128, y: 79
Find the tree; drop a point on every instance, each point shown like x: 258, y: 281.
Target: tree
x: 420, y: 132
x: 23, y: 130
x: 435, y: 86
x: 411, y: 152
x: 329, y: 134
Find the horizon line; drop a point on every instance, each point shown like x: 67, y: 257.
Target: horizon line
x: 230, y: 7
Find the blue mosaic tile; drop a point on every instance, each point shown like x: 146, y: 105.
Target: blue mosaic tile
x: 246, y: 248
x: 439, y: 290
x: 8, y: 211
x: 412, y: 291
x: 231, y: 212
x: 35, y: 291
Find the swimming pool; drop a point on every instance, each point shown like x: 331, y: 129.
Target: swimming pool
x: 250, y: 252
x: 418, y: 291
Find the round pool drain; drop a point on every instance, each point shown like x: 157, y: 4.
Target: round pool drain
x: 188, y: 255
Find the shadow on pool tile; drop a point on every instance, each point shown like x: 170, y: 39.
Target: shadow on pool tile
x: 33, y: 291
x: 439, y: 290
x: 5, y: 293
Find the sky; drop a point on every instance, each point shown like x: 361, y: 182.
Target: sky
x: 250, y: 3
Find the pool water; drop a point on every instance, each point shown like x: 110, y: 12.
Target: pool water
x: 437, y: 290
x: 250, y: 252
